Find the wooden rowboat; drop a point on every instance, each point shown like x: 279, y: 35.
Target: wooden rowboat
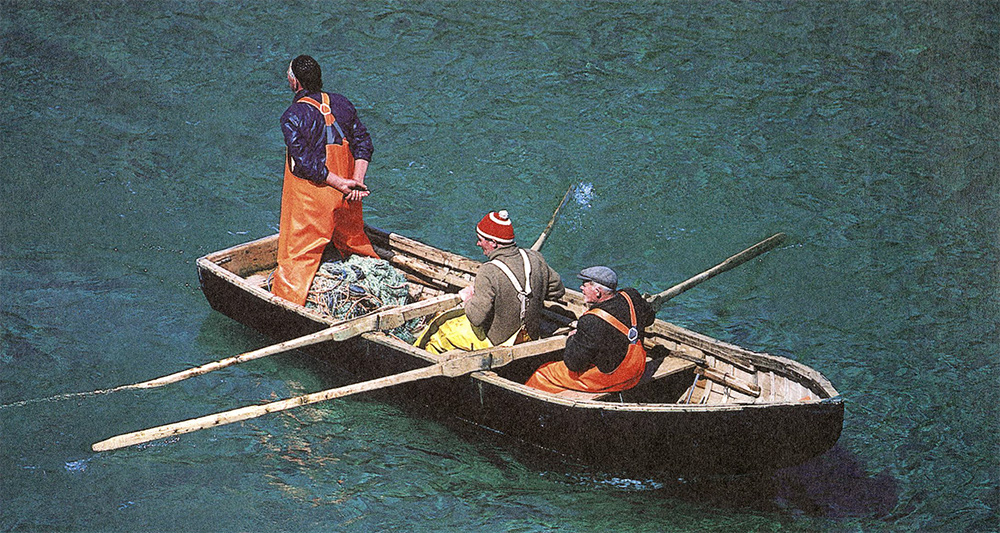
x: 703, y: 407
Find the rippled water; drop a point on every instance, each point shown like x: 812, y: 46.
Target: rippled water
x: 139, y: 136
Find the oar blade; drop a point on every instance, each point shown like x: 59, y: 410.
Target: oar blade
x: 548, y: 229
x: 254, y: 411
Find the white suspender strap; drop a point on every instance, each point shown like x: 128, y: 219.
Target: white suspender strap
x: 522, y: 294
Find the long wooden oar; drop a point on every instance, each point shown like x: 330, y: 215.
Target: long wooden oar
x: 657, y: 300
x: 384, y: 320
x: 548, y: 229
x: 390, y: 318
x: 460, y: 365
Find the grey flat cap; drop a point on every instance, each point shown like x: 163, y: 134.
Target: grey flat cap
x: 600, y: 274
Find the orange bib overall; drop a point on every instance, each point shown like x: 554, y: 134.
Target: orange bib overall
x: 313, y: 215
x: 555, y: 377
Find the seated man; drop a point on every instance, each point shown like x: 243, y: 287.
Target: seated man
x: 503, y: 306
x: 605, y: 354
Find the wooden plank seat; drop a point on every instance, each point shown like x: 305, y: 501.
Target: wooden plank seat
x: 655, y: 369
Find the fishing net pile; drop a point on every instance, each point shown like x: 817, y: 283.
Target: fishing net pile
x: 357, y: 286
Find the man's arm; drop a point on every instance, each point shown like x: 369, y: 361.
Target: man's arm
x: 581, y: 347
x: 360, y: 169
x: 556, y: 289
x: 479, y: 307
x: 361, y: 145
x: 355, y: 130
x: 644, y: 313
x: 305, y: 164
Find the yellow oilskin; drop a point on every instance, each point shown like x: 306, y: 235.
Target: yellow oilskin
x: 451, y: 330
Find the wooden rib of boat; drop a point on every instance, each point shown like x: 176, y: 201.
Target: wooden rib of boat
x: 703, y: 407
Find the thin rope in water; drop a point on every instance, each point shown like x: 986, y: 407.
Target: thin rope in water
x: 67, y: 396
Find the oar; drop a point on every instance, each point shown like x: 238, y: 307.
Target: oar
x: 548, y: 229
x: 384, y: 320
x: 390, y: 318
x: 657, y: 300
x: 460, y: 365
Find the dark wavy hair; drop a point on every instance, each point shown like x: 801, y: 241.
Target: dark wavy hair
x: 307, y: 71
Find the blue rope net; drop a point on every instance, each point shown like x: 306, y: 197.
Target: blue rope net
x: 357, y: 286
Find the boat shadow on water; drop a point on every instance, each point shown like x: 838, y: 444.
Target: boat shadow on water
x: 833, y: 485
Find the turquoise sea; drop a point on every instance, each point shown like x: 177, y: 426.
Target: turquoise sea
x: 138, y: 136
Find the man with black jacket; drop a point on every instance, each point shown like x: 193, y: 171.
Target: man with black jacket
x: 605, y: 354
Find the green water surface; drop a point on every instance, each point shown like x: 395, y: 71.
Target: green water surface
x: 137, y: 137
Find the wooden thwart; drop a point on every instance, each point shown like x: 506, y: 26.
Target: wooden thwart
x: 730, y: 381
x: 442, y: 276
x: 460, y: 364
x: 417, y: 249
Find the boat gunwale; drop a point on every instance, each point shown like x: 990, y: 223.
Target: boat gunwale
x: 495, y: 379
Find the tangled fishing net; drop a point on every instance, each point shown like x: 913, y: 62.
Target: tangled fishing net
x: 360, y: 285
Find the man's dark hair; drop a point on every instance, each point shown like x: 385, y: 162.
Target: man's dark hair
x: 307, y: 71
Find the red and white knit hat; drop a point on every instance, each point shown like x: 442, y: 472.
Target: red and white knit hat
x: 496, y: 226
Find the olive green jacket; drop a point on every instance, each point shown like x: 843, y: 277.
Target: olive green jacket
x: 495, y: 306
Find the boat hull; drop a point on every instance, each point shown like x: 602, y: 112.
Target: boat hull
x: 638, y: 438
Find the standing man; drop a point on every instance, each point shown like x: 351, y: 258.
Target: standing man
x: 605, y: 354
x: 327, y: 154
x: 503, y: 306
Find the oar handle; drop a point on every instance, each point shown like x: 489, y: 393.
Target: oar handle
x: 770, y: 243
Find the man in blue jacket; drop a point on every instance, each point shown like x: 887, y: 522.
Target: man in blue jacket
x: 327, y: 156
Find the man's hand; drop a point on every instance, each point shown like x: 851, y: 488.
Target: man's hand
x: 358, y: 191
x: 352, y: 189
x: 466, y: 293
